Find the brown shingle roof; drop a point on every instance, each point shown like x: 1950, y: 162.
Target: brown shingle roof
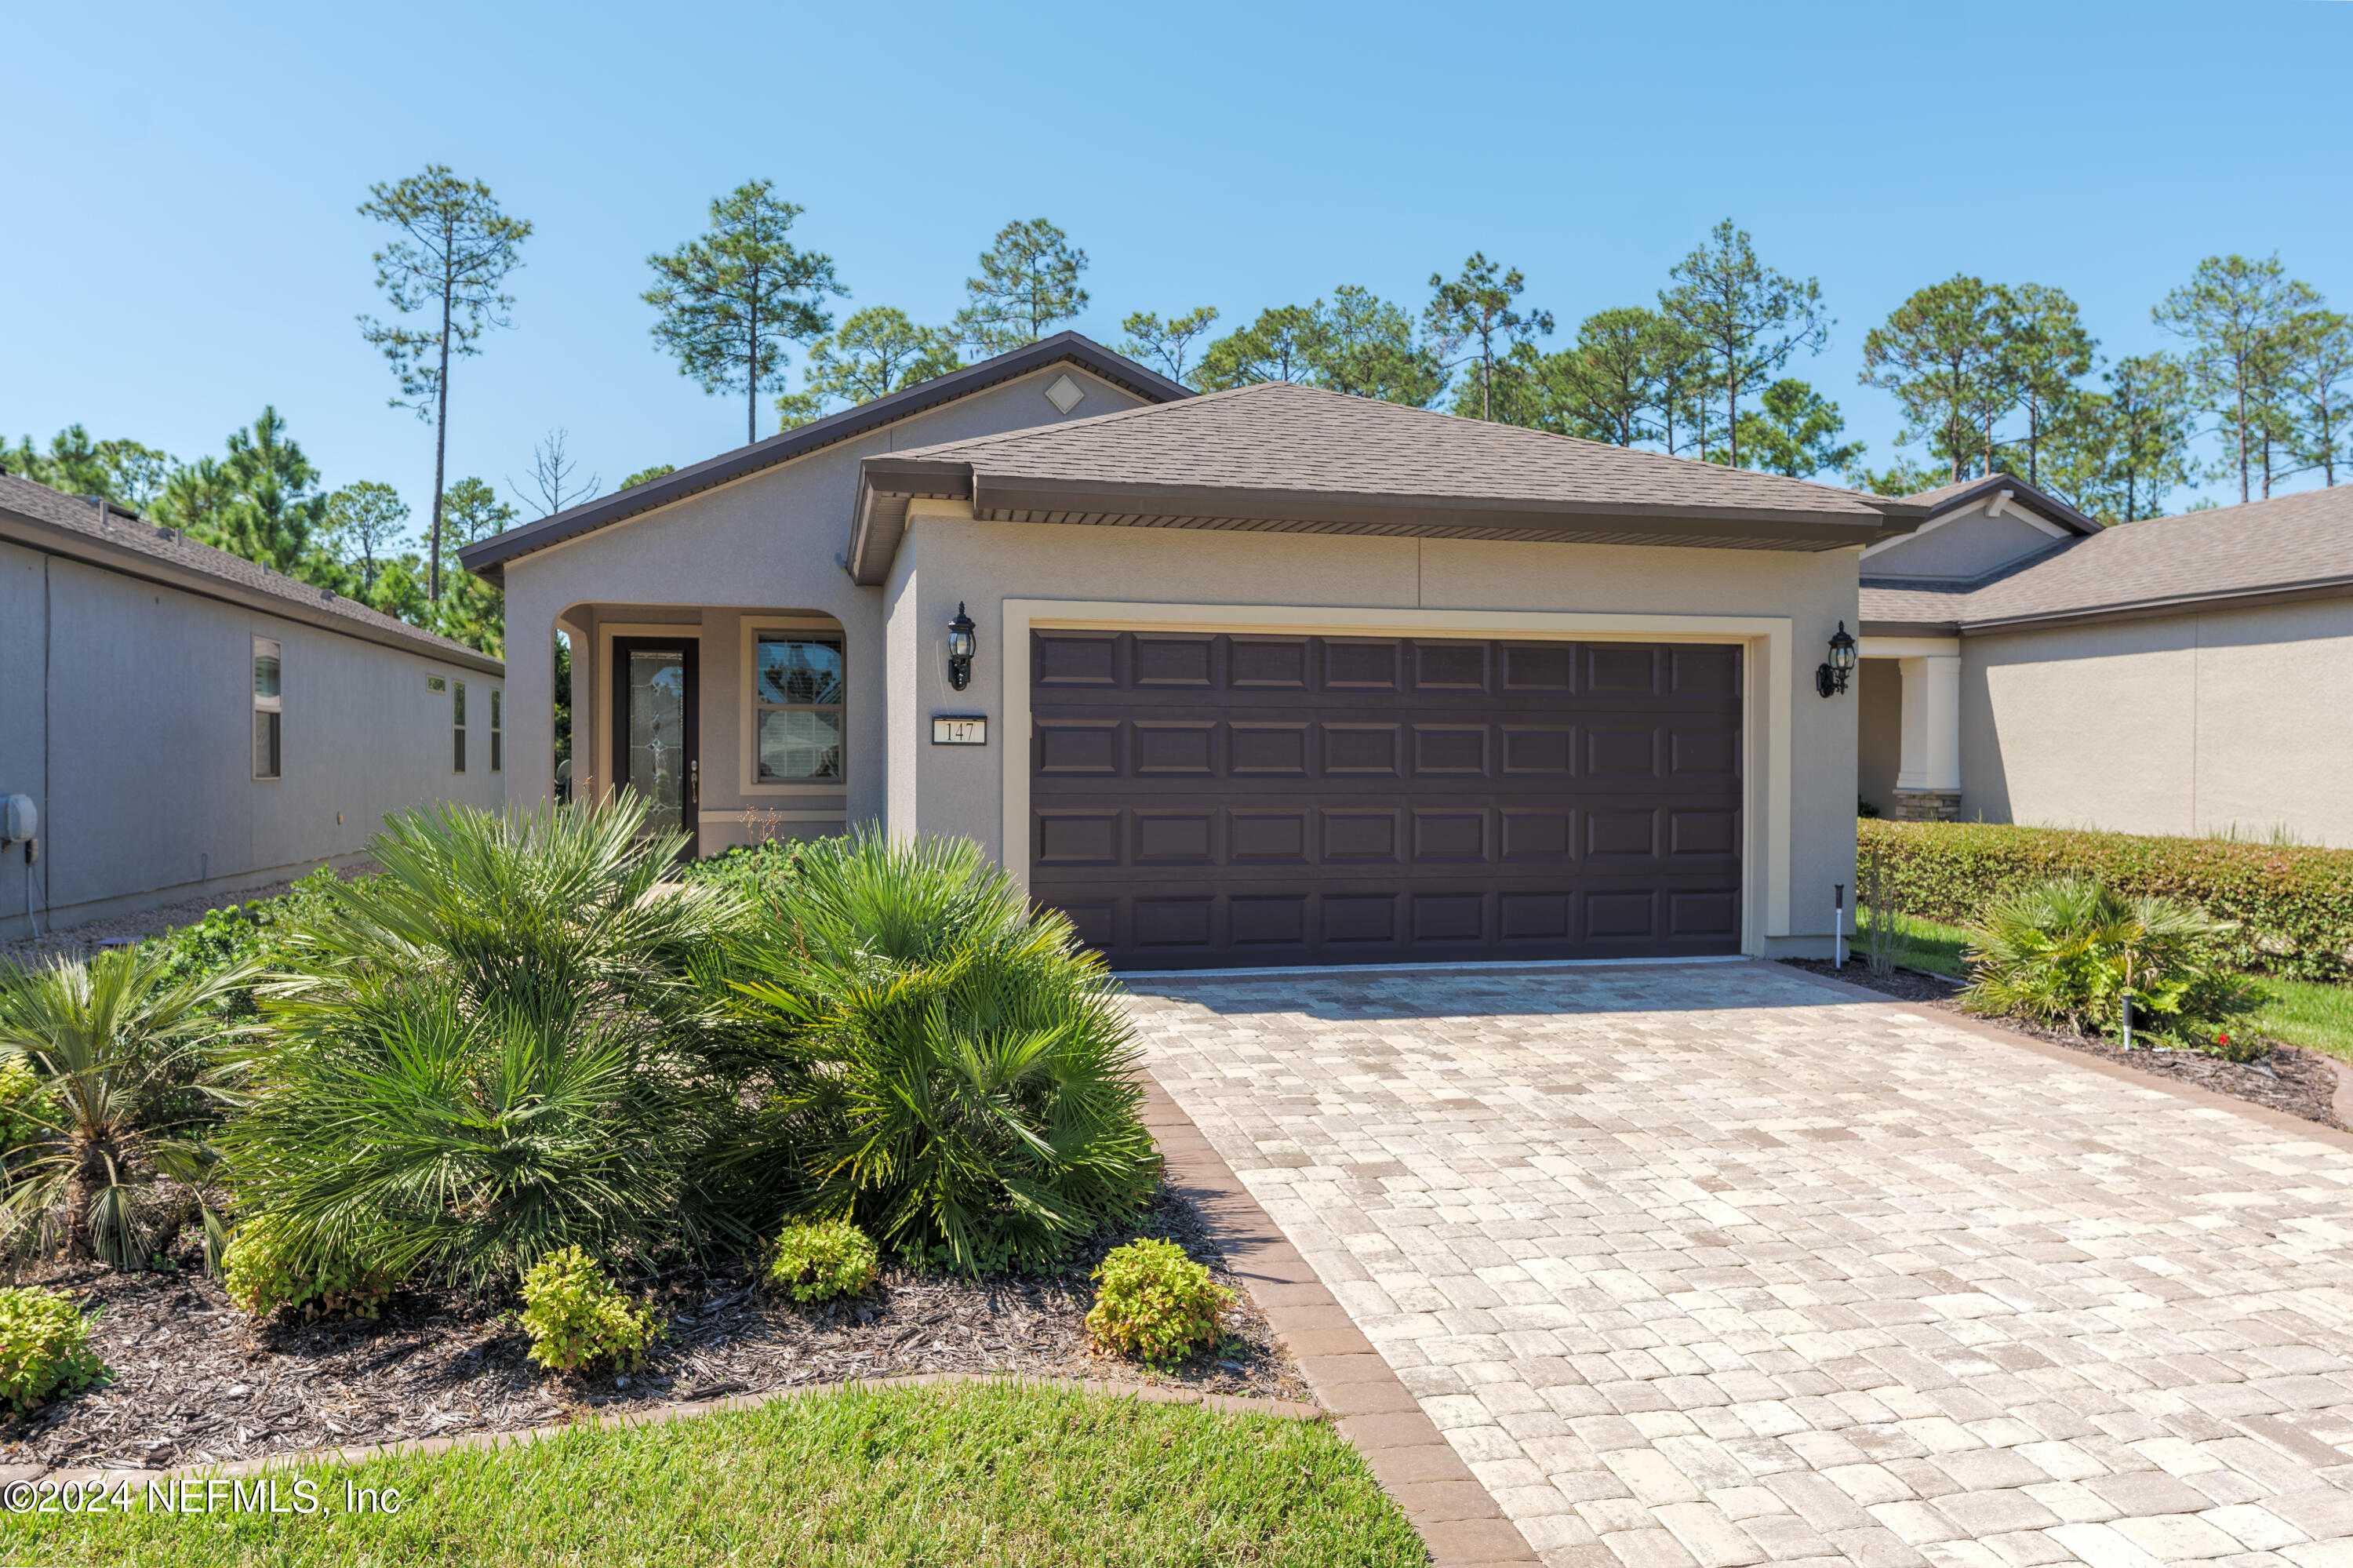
x: 116, y: 530
x: 2289, y: 543
x: 1279, y: 455
x: 1286, y: 438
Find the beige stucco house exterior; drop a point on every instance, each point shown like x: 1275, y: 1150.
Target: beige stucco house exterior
x: 1267, y: 677
x: 2179, y: 676
x: 187, y: 724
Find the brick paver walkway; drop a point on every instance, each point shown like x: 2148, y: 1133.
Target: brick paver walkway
x: 1706, y: 1266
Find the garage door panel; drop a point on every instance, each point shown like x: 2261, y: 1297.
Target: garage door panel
x: 1268, y: 749
x: 1455, y: 667
x: 1167, y: 662
x: 1360, y: 838
x: 1081, y: 659
x: 1353, y: 664
x: 1202, y: 800
x: 1267, y: 663
x: 1360, y: 750
x: 1269, y: 838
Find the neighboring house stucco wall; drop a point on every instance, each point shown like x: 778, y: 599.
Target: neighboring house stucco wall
x: 768, y: 543
x: 2180, y: 724
x: 1879, y: 731
x: 963, y: 790
x: 146, y: 785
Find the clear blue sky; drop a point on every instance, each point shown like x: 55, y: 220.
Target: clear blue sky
x: 178, y: 243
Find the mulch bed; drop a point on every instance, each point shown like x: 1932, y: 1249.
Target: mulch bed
x: 198, y: 1382
x: 2300, y: 1082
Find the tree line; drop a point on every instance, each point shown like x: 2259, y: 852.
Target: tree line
x: 1990, y: 377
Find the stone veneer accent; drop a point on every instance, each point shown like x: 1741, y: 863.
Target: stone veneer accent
x: 1928, y: 806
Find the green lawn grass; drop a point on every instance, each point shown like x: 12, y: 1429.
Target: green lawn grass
x: 2300, y: 1012
x: 994, y: 1474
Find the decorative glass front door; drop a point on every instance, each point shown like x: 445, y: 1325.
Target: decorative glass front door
x: 655, y: 729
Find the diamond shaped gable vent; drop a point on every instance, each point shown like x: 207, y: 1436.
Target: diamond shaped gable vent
x: 1065, y: 394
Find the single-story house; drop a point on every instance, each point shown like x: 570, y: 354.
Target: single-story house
x: 2178, y: 675
x: 188, y: 723
x: 1272, y: 676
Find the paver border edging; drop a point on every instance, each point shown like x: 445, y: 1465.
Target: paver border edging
x: 687, y: 1410
x: 1460, y: 1522
x: 2213, y: 1099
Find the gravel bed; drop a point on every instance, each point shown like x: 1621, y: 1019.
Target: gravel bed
x: 2290, y: 1078
x: 80, y: 942
x: 198, y: 1382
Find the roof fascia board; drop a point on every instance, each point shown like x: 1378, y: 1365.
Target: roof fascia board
x: 2179, y: 604
x: 32, y: 533
x: 991, y: 495
x: 488, y: 558
x: 2025, y: 497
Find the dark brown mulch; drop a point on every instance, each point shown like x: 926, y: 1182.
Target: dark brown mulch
x: 197, y: 1382
x: 2289, y: 1078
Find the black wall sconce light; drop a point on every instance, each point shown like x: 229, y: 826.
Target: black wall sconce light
x: 964, y: 642
x: 1830, y: 679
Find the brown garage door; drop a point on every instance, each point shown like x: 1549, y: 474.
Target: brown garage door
x: 1206, y: 801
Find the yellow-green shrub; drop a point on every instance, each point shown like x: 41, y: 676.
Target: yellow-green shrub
x: 44, y: 1348
x: 1155, y: 1303
x: 818, y: 1262
x: 267, y: 1267
x: 577, y: 1316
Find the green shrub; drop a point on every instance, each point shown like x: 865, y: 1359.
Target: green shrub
x: 951, y: 1069
x: 577, y: 1316
x: 254, y: 938
x: 494, y: 1051
x: 2068, y: 951
x: 1155, y: 1303
x: 44, y: 1348
x: 268, y: 1265
x: 112, y: 1042
x: 820, y: 1261
x: 2293, y: 906
x: 759, y: 871
x: 24, y: 1111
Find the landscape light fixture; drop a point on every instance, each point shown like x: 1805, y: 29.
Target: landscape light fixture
x: 964, y: 642
x: 1830, y: 679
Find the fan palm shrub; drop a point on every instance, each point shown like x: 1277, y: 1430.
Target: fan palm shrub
x: 492, y: 1051
x: 949, y: 1068
x: 2070, y: 950
x: 113, y: 1044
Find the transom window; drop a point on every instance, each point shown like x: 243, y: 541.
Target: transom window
x: 798, y: 693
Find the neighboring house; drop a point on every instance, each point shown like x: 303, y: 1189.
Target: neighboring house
x: 2181, y: 675
x: 1270, y: 676
x: 188, y: 722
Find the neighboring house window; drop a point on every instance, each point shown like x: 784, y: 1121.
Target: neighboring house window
x: 267, y: 709
x: 498, y: 719
x: 459, y: 724
x: 799, y: 699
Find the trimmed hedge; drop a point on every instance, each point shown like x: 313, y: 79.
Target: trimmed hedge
x: 2293, y: 905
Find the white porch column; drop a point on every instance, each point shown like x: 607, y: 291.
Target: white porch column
x: 1930, y: 762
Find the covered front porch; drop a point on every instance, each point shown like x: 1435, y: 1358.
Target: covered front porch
x: 729, y: 720
x: 1908, y: 723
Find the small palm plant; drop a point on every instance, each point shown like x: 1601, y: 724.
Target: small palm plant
x: 490, y: 1053
x: 114, y: 1042
x: 2072, y: 950
x: 952, y: 1071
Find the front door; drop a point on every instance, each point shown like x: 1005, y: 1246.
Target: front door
x: 655, y: 729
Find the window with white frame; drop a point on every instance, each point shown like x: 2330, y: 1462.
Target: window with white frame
x: 457, y: 721
x: 498, y: 718
x: 797, y: 692
x: 268, y: 709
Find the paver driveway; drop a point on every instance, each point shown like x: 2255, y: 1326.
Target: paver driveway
x: 1708, y: 1265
